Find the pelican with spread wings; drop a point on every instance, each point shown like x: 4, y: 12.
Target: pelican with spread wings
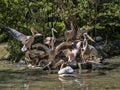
x: 25, y: 40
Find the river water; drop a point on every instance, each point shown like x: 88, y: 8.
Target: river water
x: 16, y: 77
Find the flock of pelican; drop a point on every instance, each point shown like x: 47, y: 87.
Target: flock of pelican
x: 80, y: 48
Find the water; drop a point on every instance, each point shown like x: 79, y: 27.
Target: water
x: 14, y: 77
x: 32, y: 80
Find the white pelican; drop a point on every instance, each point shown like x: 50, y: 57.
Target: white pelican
x: 25, y: 40
x: 50, y: 41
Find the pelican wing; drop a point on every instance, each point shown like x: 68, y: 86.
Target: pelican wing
x: 67, y: 52
x: 93, y: 49
x: 16, y: 34
x: 63, y: 45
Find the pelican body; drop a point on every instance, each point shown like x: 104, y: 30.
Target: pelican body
x: 69, y: 34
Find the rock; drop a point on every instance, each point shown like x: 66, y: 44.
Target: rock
x: 66, y: 71
x: 98, y: 38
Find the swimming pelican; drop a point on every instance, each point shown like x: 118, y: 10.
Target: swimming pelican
x: 25, y: 40
x: 69, y: 34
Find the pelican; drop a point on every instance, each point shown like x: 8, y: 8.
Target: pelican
x: 25, y: 40
x: 71, y: 54
x: 69, y: 34
x: 50, y: 41
x: 30, y: 40
x: 87, y: 51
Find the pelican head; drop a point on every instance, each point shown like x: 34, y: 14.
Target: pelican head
x: 53, y: 29
x: 38, y: 34
x: 86, y: 35
x: 35, y: 32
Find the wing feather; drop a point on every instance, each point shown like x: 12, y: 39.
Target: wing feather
x: 16, y: 34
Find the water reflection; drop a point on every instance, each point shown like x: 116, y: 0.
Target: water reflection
x: 71, y: 83
x: 26, y: 86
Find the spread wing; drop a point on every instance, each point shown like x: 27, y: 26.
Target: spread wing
x: 16, y: 34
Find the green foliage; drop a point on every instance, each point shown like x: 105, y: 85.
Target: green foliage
x: 3, y: 37
x: 14, y: 50
x: 60, y: 26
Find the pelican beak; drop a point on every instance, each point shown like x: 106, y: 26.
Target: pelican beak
x: 38, y: 34
x: 53, y: 29
x: 90, y: 38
